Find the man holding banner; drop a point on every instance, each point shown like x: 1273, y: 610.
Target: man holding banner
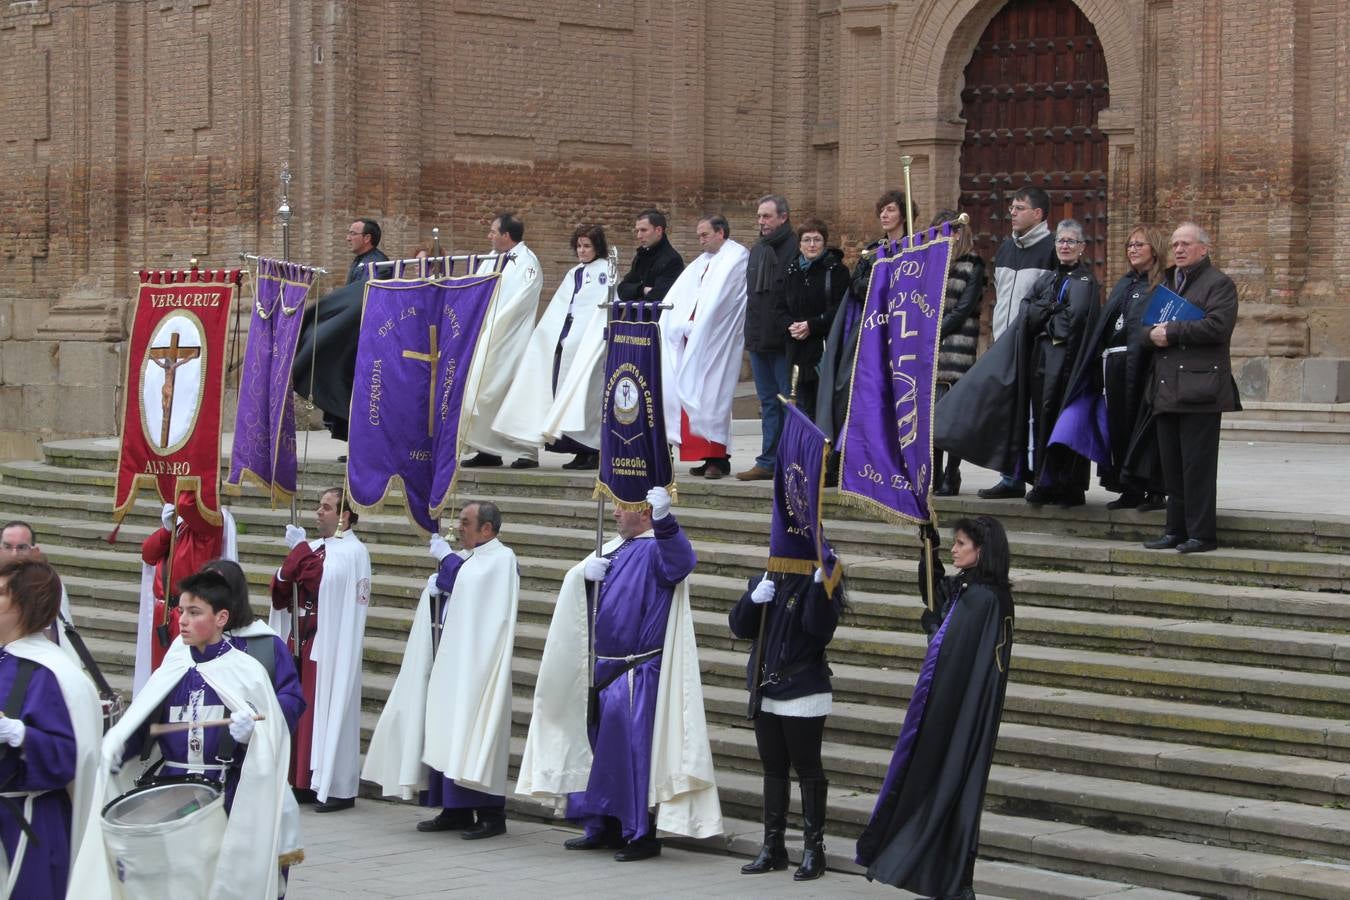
x: 617, y: 728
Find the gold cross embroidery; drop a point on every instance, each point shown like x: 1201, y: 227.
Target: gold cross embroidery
x: 169, y: 359
x: 432, y: 357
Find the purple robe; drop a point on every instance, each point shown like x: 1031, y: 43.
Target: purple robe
x: 45, y: 762
x: 193, y: 699
x: 633, y: 609
x: 285, y: 680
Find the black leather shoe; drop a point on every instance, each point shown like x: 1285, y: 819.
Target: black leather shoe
x: 699, y: 471
x: 1152, y: 502
x: 600, y: 841
x: 1040, y: 497
x: 525, y: 463
x: 1166, y: 542
x: 1003, y: 491
x: 583, y: 461
x: 1197, y: 546
x: 337, y: 804
x: 485, y: 829
x: 1070, y: 499
x: 482, y: 461
x: 950, y: 487
x: 448, y: 820
x: 303, y: 796
x: 1126, y: 501
x: 716, y: 468
x: 643, y: 848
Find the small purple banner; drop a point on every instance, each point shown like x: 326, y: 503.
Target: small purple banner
x: 886, y: 462
x: 797, y: 541
x: 417, y: 343
x: 264, y: 425
x: 634, y: 455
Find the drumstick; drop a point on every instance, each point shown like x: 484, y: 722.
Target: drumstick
x: 170, y: 727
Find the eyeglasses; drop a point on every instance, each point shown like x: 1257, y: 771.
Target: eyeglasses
x: 355, y: 233
x: 15, y: 548
x: 1068, y: 242
x: 1018, y: 207
x: 1136, y: 245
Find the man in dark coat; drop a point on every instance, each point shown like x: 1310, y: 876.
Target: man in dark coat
x: 1192, y: 387
x: 765, y: 337
x: 332, y: 363
x: 656, y: 264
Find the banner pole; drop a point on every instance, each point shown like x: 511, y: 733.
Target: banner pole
x: 284, y: 216
x: 907, y: 162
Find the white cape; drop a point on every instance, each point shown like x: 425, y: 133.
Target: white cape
x: 453, y: 714
x: 247, y: 866
x: 700, y: 373
x: 86, y: 719
x: 344, y: 599
x: 500, y: 349
x: 531, y: 405
x: 145, y: 616
x: 557, y: 759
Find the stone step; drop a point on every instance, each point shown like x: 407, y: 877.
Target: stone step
x: 1285, y: 431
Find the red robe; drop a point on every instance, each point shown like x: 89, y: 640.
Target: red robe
x: 303, y: 568
x: 199, y: 542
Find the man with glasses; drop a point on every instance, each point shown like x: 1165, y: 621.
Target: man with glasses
x: 1023, y: 258
x: 1192, y: 387
x: 363, y: 239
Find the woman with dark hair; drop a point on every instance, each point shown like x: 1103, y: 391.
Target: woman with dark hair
x: 925, y: 828
x: 959, y: 334
x: 49, y: 736
x: 795, y: 615
x: 556, y: 394
x: 813, y: 287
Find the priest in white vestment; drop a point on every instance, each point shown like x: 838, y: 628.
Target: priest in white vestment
x: 445, y: 732
x: 507, y: 334
x: 556, y: 395
x: 703, y: 336
x: 328, y: 580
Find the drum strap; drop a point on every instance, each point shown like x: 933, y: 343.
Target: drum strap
x: 23, y: 815
x: 19, y: 690
x: 264, y: 650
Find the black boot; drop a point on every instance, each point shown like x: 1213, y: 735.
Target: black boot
x: 773, y: 855
x: 950, y: 485
x: 814, y: 791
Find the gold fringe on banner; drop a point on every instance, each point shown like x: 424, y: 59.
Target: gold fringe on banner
x: 790, y: 566
x: 602, y: 492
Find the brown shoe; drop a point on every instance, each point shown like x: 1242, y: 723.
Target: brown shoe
x: 756, y: 473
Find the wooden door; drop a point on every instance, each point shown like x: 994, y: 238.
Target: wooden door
x: 1033, y: 89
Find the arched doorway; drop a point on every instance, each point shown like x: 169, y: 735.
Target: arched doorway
x: 1033, y: 88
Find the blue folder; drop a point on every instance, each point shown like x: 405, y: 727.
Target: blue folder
x: 1168, y: 306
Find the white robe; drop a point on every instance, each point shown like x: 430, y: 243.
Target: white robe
x: 247, y: 866
x: 453, y: 714
x: 699, y: 374
x: 557, y: 759
x: 145, y: 616
x: 344, y: 599
x: 505, y: 336
x: 533, y: 412
x: 86, y: 720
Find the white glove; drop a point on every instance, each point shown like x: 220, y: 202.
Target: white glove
x: 819, y: 577
x: 438, y: 547
x: 595, y: 568
x: 294, y: 535
x: 241, y: 725
x: 168, y: 516
x: 12, y: 732
x: 112, y: 757
x: 763, y: 592
x: 659, y: 498
x: 679, y: 331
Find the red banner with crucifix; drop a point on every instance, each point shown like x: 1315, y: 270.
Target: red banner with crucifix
x: 174, y: 388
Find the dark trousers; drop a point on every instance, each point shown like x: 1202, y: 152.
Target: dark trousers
x: 790, y: 741
x: 1188, y: 448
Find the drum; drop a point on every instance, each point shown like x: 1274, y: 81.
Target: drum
x: 163, y: 839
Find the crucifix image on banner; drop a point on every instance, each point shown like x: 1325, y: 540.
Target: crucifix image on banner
x: 171, y: 384
x: 431, y: 358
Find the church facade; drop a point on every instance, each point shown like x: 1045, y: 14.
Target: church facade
x: 142, y: 134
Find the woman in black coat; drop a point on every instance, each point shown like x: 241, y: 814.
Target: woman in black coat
x: 924, y: 832
x: 813, y: 287
x: 797, y: 617
x: 959, y: 334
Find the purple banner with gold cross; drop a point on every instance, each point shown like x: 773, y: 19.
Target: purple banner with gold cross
x: 886, y: 463
x: 418, y: 338
x: 634, y: 454
x: 797, y: 538
x: 264, y: 423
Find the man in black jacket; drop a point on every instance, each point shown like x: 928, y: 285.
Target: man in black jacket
x: 1192, y: 387
x: 656, y: 264
x: 765, y: 337
x: 363, y: 239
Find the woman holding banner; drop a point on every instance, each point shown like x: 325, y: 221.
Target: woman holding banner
x: 925, y: 829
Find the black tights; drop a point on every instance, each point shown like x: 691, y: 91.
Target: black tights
x: 790, y: 740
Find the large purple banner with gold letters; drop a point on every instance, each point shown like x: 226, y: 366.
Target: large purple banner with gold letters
x: 887, y: 446
x: 418, y: 338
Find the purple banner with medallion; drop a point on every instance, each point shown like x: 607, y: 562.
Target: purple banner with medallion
x: 634, y: 454
x: 264, y: 424
x: 886, y: 464
x: 418, y: 338
x: 797, y: 539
